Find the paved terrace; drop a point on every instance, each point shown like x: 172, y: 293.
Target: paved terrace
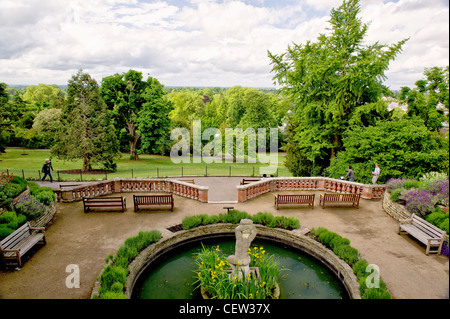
x: 87, y: 239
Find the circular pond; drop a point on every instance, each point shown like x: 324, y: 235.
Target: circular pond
x: 172, y: 275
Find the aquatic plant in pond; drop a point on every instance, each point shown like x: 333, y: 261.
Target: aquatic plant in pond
x: 214, y: 277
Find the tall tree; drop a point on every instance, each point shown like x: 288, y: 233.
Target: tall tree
x: 328, y: 81
x: 87, y: 130
x: 429, y: 99
x: 5, y: 115
x: 129, y: 97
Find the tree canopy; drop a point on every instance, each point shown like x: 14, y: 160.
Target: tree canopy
x: 334, y: 82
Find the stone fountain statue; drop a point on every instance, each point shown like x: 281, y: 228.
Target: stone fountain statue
x: 240, y: 261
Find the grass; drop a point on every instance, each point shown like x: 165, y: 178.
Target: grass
x: 27, y: 163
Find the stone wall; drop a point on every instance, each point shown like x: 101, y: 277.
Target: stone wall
x: 396, y: 211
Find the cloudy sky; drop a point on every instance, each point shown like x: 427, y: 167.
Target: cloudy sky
x: 200, y: 42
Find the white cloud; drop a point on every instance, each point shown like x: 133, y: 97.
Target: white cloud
x: 199, y: 42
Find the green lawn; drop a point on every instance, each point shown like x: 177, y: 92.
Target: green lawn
x: 28, y: 163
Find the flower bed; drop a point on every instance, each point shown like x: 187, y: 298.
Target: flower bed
x: 21, y: 201
x: 427, y: 197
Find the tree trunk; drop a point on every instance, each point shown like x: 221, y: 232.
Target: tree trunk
x: 134, y: 141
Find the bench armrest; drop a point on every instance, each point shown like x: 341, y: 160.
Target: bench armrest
x: 10, y: 251
x: 405, y: 221
x: 38, y: 228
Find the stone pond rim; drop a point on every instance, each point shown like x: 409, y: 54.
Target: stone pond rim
x: 294, y: 239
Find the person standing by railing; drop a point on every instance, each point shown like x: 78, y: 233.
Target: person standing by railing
x: 375, y: 173
x: 350, y: 174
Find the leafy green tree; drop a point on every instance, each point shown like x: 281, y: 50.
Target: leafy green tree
x: 5, y: 123
x: 430, y: 93
x: 131, y: 98
x: 154, y: 122
x: 46, y: 124
x: 187, y: 106
x: 44, y: 96
x: 332, y: 83
x: 402, y: 148
x: 86, y: 130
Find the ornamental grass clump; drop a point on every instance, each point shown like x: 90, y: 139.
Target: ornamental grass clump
x: 114, y: 276
x: 217, y: 282
x: 341, y: 247
x: 235, y: 216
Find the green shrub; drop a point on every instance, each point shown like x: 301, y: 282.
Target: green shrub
x: 395, y: 194
x: 287, y: 222
x: 19, y: 180
x: 338, y: 241
x: 114, y: 295
x: 13, y: 190
x: 191, y: 222
x: 359, y: 268
x: 112, y: 274
x: 373, y: 293
x: 235, y: 216
x: 45, y: 197
x: 113, y: 277
x: 5, y: 231
x: 9, y: 220
x: 264, y: 218
x: 411, y: 183
x: 7, y: 217
x: 444, y: 225
x: 326, y: 237
x: 347, y: 253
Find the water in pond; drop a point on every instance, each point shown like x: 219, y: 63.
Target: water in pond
x: 172, y: 276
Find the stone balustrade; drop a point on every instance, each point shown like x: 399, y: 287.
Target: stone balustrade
x: 133, y: 185
x: 251, y: 190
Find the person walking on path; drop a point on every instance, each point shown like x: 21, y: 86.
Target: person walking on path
x: 46, y: 169
x: 375, y: 173
x: 350, y: 174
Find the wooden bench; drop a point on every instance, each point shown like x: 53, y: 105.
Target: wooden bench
x: 91, y: 202
x: 339, y: 198
x: 295, y: 199
x: 246, y: 181
x: 144, y: 200
x: 191, y: 181
x: 427, y: 233
x: 14, y: 246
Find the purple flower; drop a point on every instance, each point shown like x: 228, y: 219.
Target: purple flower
x: 440, y: 191
x: 420, y: 202
x: 394, y: 183
x: 445, y: 249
